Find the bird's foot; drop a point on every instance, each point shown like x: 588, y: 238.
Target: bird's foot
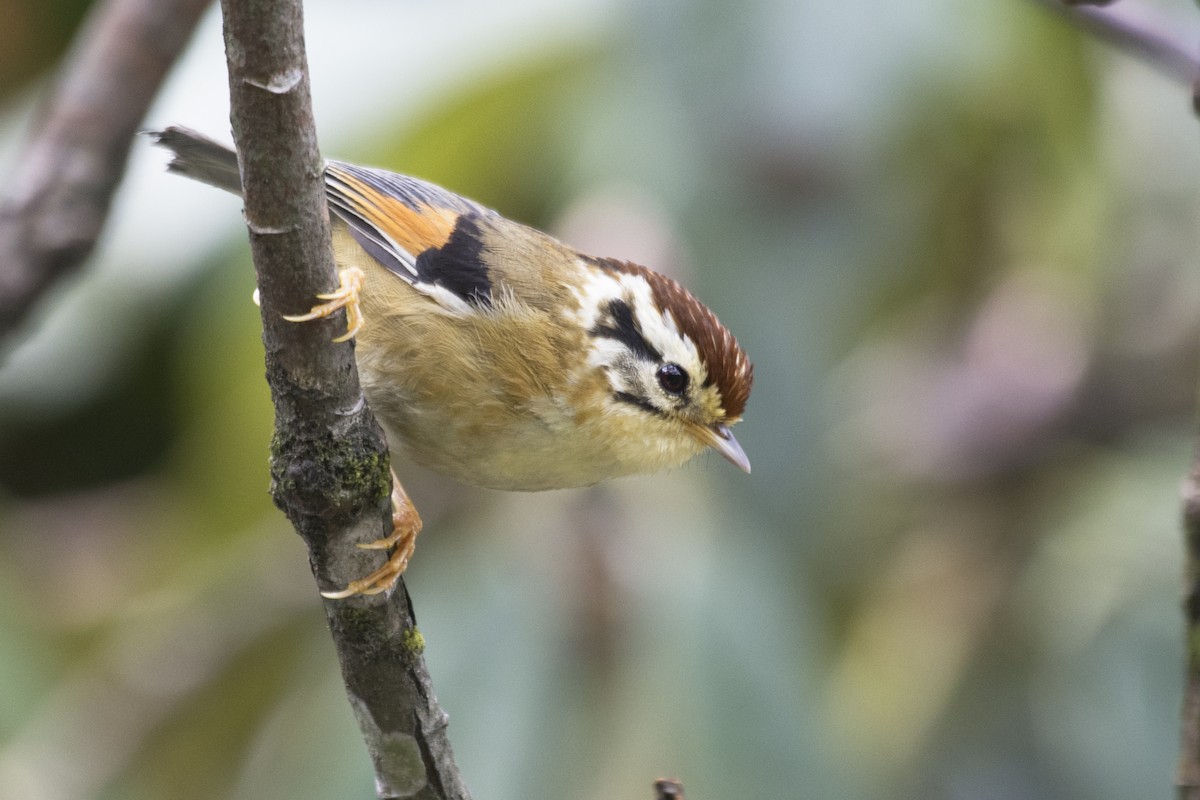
x: 350, y: 282
x: 406, y: 524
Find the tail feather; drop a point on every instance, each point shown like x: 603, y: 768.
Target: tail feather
x: 196, y: 156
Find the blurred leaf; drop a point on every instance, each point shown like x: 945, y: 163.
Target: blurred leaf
x: 501, y: 141
x: 33, y: 36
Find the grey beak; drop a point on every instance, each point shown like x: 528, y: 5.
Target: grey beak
x: 721, y: 439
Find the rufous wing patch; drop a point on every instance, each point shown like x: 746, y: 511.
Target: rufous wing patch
x: 408, y: 222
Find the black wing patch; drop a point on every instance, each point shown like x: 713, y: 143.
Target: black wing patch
x: 458, y: 265
x: 419, y: 231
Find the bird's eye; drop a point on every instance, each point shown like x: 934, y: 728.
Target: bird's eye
x: 673, y: 379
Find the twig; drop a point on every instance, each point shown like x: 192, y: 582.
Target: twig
x: 329, y: 458
x: 1163, y: 48
x: 57, y: 201
x: 668, y: 790
x: 1159, y: 42
x: 1187, y: 773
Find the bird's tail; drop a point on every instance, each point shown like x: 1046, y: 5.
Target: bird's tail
x: 196, y: 156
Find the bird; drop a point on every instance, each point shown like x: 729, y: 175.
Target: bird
x: 495, y: 354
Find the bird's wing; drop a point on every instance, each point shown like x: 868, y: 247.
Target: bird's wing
x: 425, y: 235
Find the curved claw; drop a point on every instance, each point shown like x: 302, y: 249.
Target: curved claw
x: 406, y: 524
x: 350, y: 283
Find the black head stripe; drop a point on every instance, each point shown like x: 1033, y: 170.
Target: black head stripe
x: 458, y: 265
x: 725, y: 363
x: 634, y: 400
x: 619, y: 323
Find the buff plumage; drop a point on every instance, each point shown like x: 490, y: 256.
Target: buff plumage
x: 500, y: 356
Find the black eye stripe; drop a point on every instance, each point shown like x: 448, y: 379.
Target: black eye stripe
x: 642, y: 403
x: 619, y: 324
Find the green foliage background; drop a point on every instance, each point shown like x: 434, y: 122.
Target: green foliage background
x: 959, y: 243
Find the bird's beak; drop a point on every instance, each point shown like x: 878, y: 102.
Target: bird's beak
x: 720, y: 438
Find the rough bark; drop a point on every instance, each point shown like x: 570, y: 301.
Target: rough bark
x: 329, y: 462
x: 1187, y: 774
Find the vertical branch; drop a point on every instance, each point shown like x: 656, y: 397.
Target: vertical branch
x: 56, y: 202
x: 1161, y: 44
x: 329, y: 459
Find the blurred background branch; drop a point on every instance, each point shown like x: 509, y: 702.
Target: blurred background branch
x: 55, y: 204
x: 329, y: 459
x: 1161, y: 45
x: 1167, y: 41
x: 668, y: 790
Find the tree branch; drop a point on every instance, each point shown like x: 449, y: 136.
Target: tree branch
x: 1187, y: 773
x: 1160, y: 45
x: 668, y: 790
x: 329, y: 459
x: 1147, y: 36
x: 59, y: 197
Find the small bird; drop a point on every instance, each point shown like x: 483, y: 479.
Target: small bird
x: 495, y: 354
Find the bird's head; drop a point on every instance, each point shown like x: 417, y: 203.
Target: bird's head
x: 677, y: 378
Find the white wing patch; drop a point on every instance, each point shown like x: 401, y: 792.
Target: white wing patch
x: 445, y: 298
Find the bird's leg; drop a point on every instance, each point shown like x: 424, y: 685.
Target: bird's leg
x: 406, y: 524
x: 350, y: 281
